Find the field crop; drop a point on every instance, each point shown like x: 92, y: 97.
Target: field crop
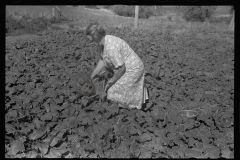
x: 51, y: 107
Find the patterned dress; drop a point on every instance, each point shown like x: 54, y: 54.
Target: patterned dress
x: 129, y: 89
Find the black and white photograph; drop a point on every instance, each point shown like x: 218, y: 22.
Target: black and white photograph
x: 119, y: 81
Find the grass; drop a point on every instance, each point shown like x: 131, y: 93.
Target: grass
x: 81, y: 17
x: 222, y: 10
x: 33, y: 11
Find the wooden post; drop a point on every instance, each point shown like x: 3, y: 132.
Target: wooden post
x: 231, y: 26
x: 25, y: 12
x: 136, y: 17
x: 155, y: 10
x: 53, y: 12
x: 207, y: 24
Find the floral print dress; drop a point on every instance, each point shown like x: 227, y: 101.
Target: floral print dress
x: 129, y: 89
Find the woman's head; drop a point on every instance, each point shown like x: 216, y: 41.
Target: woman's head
x: 95, y: 32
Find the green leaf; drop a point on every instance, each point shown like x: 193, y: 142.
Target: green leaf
x: 31, y: 154
x: 38, y: 123
x: 63, y: 148
x: 12, y: 114
x: 47, y: 116
x: 10, y: 128
x: 56, y: 139
x: 54, y: 153
x: 36, y: 134
x: 145, y: 137
x: 84, y: 102
x: 44, y: 148
x: 74, y: 138
x: 16, y: 146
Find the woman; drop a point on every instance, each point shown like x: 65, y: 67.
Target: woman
x: 127, y: 85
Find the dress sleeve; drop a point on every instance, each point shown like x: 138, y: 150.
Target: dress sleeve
x: 114, y: 55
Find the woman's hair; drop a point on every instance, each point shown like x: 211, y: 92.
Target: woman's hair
x: 98, y: 32
x: 94, y: 29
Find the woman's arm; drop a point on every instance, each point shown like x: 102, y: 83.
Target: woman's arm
x: 118, y: 73
x: 99, y: 67
x: 116, y: 59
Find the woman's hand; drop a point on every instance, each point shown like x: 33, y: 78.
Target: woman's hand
x: 99, y: 67
x: 118, y: 73
x: 108, y: 85
x: 93, y: 75
x: 103, y: 95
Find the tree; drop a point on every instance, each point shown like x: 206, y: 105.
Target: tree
x: 196, y: 13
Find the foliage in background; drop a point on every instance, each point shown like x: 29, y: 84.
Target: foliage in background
x: 91, y: 6
x: 26, y: 24
x: 121, y: 10
x: 129, y: 11
x: 231, y: 10
x: 196, y: 13
x: 106, y: 6
x: 146, y: 11
x: 218, y: 23
x: 225, y: 20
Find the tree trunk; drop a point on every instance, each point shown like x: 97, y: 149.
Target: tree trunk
x: 231, y: 26
x: 136, y: 17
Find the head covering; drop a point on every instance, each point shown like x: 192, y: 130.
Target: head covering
x: 92, y: 28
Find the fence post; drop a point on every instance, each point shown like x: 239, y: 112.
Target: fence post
x: 25, y: 13
x: 231, y: 26
x: 53, y: 13
x: 207, y: 23
x: 136, y: 17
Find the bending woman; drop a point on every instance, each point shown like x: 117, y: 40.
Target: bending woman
x: 127, y: 85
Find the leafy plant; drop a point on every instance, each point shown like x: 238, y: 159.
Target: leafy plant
x: 51, y: 109
x: 27, y: 24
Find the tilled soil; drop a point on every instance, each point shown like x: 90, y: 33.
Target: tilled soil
x: 51, y: 109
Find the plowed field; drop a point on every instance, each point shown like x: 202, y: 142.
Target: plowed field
x: 51, y: 109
